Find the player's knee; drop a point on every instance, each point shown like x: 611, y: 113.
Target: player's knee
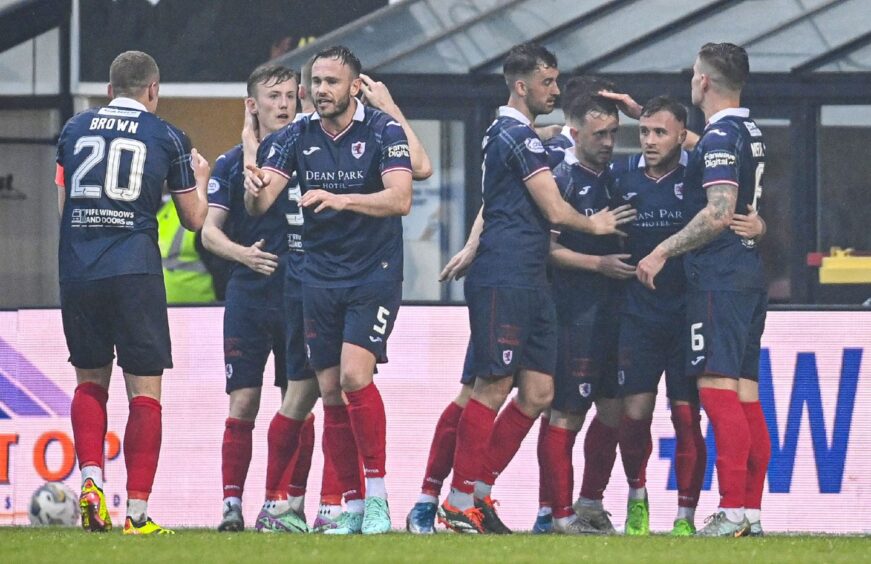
x: 245, y: 403
x: 354, y: 378
x: 639, y: 406
x: 492, y: 392
x: 535, y: 401
x: 300, y: 399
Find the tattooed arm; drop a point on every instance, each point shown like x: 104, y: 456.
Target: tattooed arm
x: 701, y: 230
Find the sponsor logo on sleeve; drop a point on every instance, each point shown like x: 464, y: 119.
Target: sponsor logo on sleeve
x: 714, y: 159
x: 213, y: 186
x: 753, y: 129
x: 398, y: 151
x: 758, y: 149
x: 534, y: 144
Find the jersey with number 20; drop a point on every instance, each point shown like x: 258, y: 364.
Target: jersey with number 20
x: 115, y: 160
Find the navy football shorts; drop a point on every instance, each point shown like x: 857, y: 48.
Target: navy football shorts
x: 586, y: 356
x: 361, y: 315
x: 124, y: 313
x: 468, y: 377
x: 297, y: 367
x: 724, y: 333
x: 251, y: 333
x: 649, y: 347
x: 512, y: 329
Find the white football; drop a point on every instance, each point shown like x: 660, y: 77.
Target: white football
x: 54, y: 504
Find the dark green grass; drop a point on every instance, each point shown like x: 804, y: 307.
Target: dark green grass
x: 30, y: 545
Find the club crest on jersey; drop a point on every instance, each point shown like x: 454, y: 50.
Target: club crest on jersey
x: 507, y: 356
x: 358, y: 148
x: 534, y: 144
x: 229, y: 371
x: 678, y: 190
x: 585, y: 389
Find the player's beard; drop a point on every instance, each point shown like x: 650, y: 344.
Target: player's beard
x: 340, y: 105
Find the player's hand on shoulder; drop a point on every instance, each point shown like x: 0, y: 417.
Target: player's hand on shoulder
x: 458, y: 265
x: 546, y: 132
x: 322, y: 200
x: 376, y: 94
x: 255, y: 180
x: 613, y: 266
x: 649, y: 267
x: 258, y: 260
x: 748, y: 226
x: 625, y: 102
x: 200, y: 166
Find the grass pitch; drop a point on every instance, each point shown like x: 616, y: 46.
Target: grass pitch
x: 32, y: 545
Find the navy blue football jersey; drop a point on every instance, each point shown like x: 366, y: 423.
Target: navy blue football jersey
x: 344, y: 249
x: 730, y: 151
x: 660, y: 207
x: 514, y: 243
x: 280, y: 227
x: 588, y: 192
x: 115, y: 161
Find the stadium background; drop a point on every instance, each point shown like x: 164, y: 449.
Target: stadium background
x: 809, y: 91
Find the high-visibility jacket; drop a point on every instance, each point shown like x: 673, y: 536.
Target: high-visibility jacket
x: 184, y: 274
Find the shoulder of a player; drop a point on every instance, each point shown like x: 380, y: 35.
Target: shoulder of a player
x: 381, y: 122
x: 228, y: 162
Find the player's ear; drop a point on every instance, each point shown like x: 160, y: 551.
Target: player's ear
x: 682, y: 136
x: 301, y: 92
x: 251, y: 105
x: 573, y: 131
x: 520, y: 87
x: 110, y: 92
x: 355, y: 86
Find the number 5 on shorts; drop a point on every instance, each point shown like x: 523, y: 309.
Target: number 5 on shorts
x: 381, y: 326
x: 697, y: 340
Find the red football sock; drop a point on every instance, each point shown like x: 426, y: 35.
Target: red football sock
x: 441, y: 452
x: 88, y: 415
x: 635, y: 448
x: 142, y: 445
x: 282, y: 442
x: 369, y: 423
x: 600, y: 452
x: 687, y: 469
x: 733, y: 443
x: 545, y: 498
x: 331, y: 487
x: 473, y: 432
x: 300, y: 466
x: 760, y: 454
x: 341, y: 449
x: 510, y: 429
x: 557, y: 449
x: 236, y: 455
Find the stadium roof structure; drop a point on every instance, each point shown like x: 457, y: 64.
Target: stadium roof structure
x: 604, y: 36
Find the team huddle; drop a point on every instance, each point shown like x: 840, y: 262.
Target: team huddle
x: 586, y: 277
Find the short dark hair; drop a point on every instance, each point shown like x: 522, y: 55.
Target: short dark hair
x: 524, y: 58
x: 581, y: 85
x: 730, y: 61
x: 344, y: 55
x: 269, y: 75
x: 131, y: 72
x: 665, y: 104
x: 587, y: 103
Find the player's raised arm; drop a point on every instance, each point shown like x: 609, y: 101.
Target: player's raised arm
x: 561, y: 214
x: 378, y: 96
x: 631, y: 108
x: 193, y: 205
